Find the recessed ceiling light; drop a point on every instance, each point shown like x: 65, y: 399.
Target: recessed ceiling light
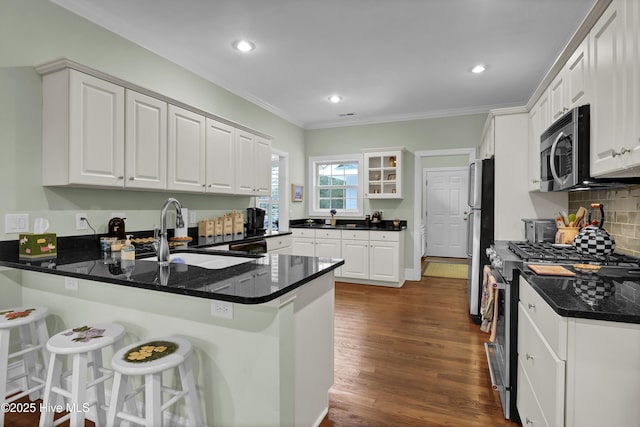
x: 243, y: 45
x: 335, y: 99
x: 478, y: 69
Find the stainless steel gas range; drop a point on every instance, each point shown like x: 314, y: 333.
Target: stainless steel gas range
x: 508, y: 259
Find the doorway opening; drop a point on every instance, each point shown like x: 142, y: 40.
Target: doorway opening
x: 432, y: 159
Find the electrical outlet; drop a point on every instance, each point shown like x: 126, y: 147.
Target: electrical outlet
x: 193, y: 217
x: 16, y: 223
x: 71, y: 283
x: 223, y: 309
x: 81, y: 224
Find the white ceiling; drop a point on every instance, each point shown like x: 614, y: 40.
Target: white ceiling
x: 390, y: 59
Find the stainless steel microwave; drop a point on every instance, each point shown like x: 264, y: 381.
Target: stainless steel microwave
x: 564, y: 155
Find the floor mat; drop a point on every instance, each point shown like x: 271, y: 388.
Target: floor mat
x: 448, y: 270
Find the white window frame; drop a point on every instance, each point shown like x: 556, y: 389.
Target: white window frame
x: 313, y: 193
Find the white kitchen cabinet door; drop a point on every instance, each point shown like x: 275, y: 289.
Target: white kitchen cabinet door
x: 96, y: 131
x: 303, y: 246
x: 607, y: 106
x: 577, y: 76
x: 557, y: 96
x: 534, y: 148
x: 384, y: 261
x: 356, y: 259
x: 328, y: 248
x: 221, y: 158
x: 145, y: 142
x: 253, y: 164
x: 186, y: 158
x: 262, y: 165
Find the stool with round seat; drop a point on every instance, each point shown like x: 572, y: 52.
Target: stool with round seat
x: 150, y: 358
x: 79, y: 343
x: 21, y: 319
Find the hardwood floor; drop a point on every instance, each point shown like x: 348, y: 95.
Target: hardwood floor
x: 410, y: 357
x: 403, y: 357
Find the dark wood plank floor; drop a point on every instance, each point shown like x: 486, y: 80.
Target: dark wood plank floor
x: 410, y: 357
x: 403, y: 357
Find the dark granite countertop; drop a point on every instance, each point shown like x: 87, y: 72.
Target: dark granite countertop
x: 264, y: 278
x: 613, y: 294
x: 384, y: 225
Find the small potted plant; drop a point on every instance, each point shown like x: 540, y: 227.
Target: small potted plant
x: 333, y: 216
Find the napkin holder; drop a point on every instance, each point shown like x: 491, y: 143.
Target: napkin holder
x: 38, y: 245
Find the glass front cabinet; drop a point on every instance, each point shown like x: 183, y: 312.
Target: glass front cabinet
x: 383, y: 174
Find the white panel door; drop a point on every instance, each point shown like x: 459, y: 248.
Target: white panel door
x: 186, y: 150
x: 221, y: 157
x: 96, y: 131
x: 146, y: 142
x: 446, y: 210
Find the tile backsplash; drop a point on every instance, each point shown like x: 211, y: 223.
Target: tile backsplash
x: 622, y: 214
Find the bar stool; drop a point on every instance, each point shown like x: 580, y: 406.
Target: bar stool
x: 150, y: 359
x: 80, y: 343
x: 22, y: 319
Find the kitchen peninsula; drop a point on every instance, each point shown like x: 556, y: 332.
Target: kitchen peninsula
x: 262, y: 329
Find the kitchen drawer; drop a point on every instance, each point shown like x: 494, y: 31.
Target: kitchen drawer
x: 355, y: 234
x: 528, y: 408
x: 552, y: 326
x: 303, y: 232
x: 278, y: 242
x: 328, y: 234
x: 546, y: 372
x: 385, y: 236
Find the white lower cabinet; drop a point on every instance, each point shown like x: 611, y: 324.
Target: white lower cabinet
x: 279, y: 244
x: 355, y: 251
x: 575, y: 372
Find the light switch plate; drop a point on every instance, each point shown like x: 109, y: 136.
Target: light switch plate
x: 16, y: 223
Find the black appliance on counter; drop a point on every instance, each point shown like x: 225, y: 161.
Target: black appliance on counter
x: 255, y: 222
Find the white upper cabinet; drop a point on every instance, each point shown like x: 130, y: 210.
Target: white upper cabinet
x: 253, y: 164
x: 99, y: 131
x: 186, y: 156
x: 84, y: 143
x: 146, y: 142
x: 576, y: 74
x: 539, y: 121
x: 614, y: 56
x: 220, y: 168
x: 487, y: 147
x: 383, y: 174
x: 558, y: 97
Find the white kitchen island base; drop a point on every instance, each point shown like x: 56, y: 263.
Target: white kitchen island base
x: 271, y: 365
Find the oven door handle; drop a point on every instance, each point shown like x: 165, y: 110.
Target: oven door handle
x: 487, y: 348
x: 499, y: 281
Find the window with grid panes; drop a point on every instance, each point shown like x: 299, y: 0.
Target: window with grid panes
x: 337, y: 184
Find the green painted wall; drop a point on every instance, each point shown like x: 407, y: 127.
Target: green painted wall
x: 33, y: 32
x: 416, y: 135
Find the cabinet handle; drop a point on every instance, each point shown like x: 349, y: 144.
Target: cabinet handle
x: 535, y: 181
x: 131, y: 178
x: 531, y: 306
x: 121, y: 177
x: 529, y: 357
x: 528, y: 421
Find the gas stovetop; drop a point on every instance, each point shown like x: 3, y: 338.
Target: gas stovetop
x: 560, y: 254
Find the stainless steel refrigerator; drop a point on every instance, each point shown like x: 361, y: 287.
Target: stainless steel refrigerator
x: 480, y: 228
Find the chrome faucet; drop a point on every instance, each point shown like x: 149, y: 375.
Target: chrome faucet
x: 160, y: 242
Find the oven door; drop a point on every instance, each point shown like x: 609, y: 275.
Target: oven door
x: 498, y: 350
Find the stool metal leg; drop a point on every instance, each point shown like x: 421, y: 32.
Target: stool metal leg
x: 4, y: 365
x: 191, y: 398
x: 53, y: 380
x: 153, y: 399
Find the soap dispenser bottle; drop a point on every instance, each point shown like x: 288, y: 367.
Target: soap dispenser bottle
x: 128, y: 252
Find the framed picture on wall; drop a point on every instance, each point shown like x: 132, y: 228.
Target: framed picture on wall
x: 297, y: 192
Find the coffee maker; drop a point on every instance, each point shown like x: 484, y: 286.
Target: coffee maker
x: 255, y: 222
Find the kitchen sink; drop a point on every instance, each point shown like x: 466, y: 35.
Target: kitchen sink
x: 212, y: 262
